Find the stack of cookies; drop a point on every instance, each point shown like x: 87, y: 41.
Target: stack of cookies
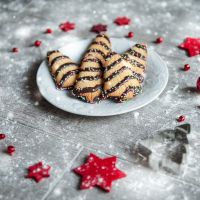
x: 102, y: 73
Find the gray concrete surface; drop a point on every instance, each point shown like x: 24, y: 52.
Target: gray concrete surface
x: 40, y: 131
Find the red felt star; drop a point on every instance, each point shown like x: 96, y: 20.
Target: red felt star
x: 99, y: 172
x: 191, y: 45
x: 38, y: 172
x: 98, y: 28
x: 121, y: 21
x: 67, y: 26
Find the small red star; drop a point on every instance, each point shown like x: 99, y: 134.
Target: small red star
x: 67, y: 26
x: 191, y: 45
x: 99, y: 172
x: 98, y: 28
x: 121, y: 21
x: 38, y: 171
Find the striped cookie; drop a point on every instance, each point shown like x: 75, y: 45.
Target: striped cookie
x: 100, y: 47
x: 63, y: 69
x: 89, y: 82
x: 137, y: 57
x: 120, y: 83
x: 88, y: 85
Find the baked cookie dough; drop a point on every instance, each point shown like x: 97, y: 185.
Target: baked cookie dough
x: 63, y: 69
x: 100, y: 47
x: 137, y: 57
x: 89, y: 83
x: 120, y: 83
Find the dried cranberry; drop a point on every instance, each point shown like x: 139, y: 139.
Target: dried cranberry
x: 49, y: 31
x: 130, y: 35
x: 181, y: 118
x: 186, y: 67
x: 37, y: 43
x: 2, y: 136
x: 159, y: 40
x: 15, y: 50
x: 11, y: 150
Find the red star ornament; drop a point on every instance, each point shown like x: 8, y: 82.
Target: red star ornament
x: 99, y: 172
x: 38, y: 172
x: 121, y: 21
x: 191, y: 45
x: 98, y: 28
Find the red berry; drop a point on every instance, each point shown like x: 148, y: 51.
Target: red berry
x: 198, y: 84
x: 37, y: 43
x: 159, y: 40
x: 49, y: 31
x: 11, y: 150
x: 2, y: 136
x: 186, y: 67
x: 181, y: 118
x: 130, y: 35
x: 15, y: 50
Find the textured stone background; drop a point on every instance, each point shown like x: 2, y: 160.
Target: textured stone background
x: 40, y: 131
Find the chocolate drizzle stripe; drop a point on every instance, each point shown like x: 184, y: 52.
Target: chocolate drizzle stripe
x: 90, y: 60
x: 89, y: 78
x: 113, y: 64
x: 133, y: 62
x: 57, y: 59
x: 103, y: 36
x: 114, y: 88
x: 115, y: 73
x: 78, y: 91
x: 49, y: 53
x: 90, y: 69
x: 130, y: 88
x: 101, y: 44
x: 96, y: 51
x: 141, y: 46
x: 136, y: 54
x: 110, y: 55
x: 61, y: 67
x: 67, y: 75
x: 138, y: 76
x: 136, y: 90
x: 137, y: 64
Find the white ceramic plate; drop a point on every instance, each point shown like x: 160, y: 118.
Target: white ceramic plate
x: 155, y: 82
